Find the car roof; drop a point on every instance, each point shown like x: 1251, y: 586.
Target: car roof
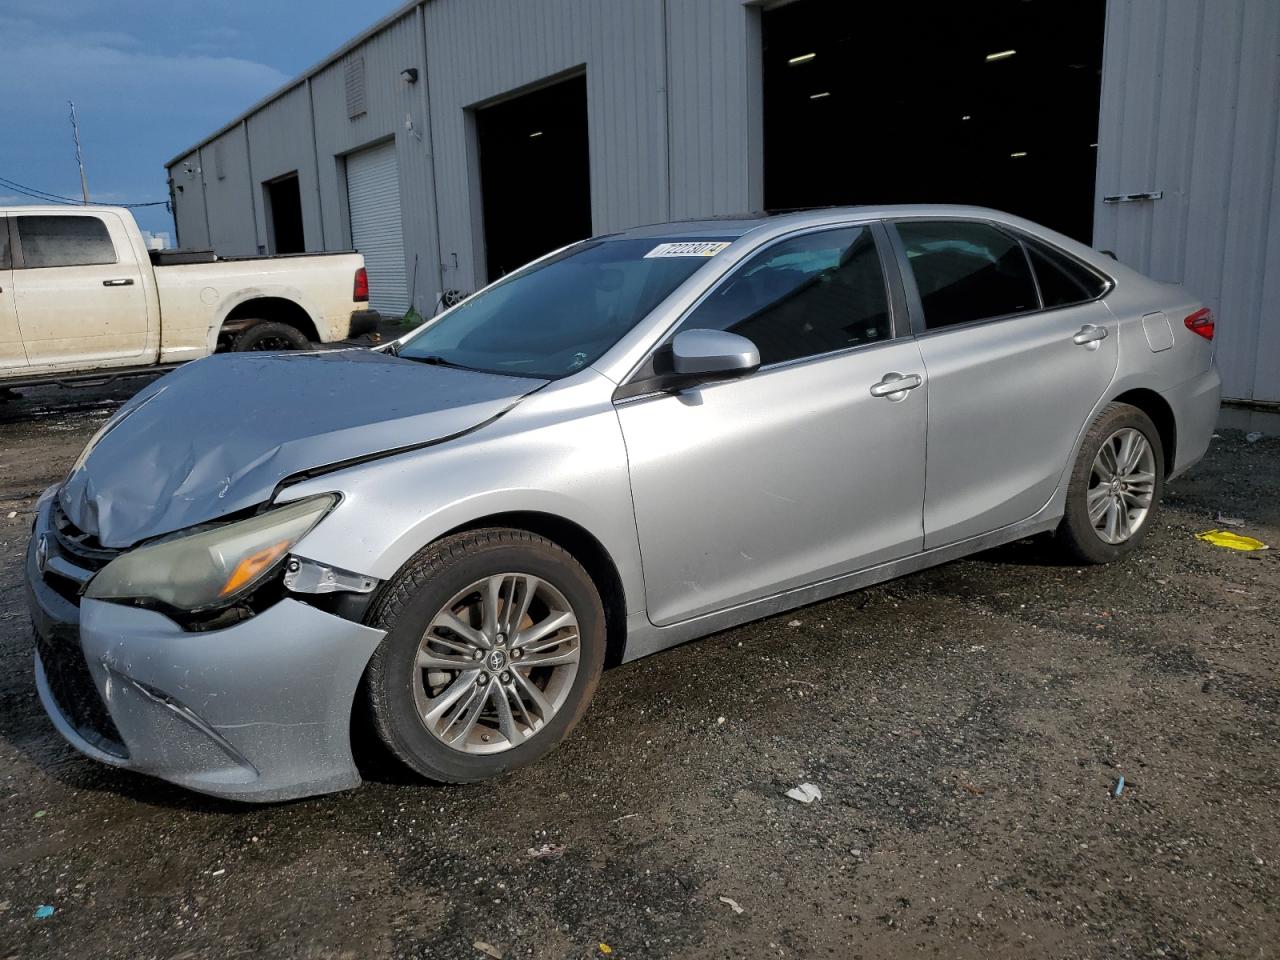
x: 738, y: 225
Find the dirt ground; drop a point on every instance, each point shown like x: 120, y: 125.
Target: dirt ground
x: 966, y: 727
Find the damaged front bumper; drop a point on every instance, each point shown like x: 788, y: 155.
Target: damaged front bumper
x: 256, y: 711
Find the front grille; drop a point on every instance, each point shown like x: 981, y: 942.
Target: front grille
x: 77, y: 545
x: 58, y: 644
x: 76, y: 694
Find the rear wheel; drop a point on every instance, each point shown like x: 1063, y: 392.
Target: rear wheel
x: 495, y: 642
x: 270, y: 335
x: 1115, y: 486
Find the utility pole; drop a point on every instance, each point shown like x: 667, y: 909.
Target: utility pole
x: 75, y: 133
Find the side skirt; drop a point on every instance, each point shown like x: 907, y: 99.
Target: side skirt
x: 643, y: 638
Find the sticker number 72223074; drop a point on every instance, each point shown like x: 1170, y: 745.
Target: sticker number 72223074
x: 689, y: 248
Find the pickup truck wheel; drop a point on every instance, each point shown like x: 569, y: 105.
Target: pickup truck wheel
x: 495, y: 642
x: 269, y: 335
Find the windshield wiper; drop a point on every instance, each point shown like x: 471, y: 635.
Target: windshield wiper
x: 438, y: 361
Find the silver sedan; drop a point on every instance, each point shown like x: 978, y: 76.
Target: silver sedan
x: 637, y: 440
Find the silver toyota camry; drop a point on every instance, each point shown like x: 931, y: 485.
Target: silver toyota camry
x: 634, y: 441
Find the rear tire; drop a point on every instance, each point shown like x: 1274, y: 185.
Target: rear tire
x: 270, y: 335
x: 1115, y: 487
x: 494, y: 723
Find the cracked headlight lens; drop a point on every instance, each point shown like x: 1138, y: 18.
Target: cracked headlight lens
x: 211, y: 568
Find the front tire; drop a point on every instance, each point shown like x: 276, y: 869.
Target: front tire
x: 494, y: 647
x: 1115, y: 487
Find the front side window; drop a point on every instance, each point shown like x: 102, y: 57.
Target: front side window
x: 69, y: 241
x: 1063, y: 282
x: 555, y: 318
x: 5, y: 261
x: 967, y: 271
x: 811, y: 294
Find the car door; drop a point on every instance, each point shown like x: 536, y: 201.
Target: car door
x: 11, y: 352
x: 793, y: 474
x: 78, y: 290
x: 1012, y: 378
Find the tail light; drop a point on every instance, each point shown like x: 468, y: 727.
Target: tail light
x: 360, y: 293
x: 1201, y: 322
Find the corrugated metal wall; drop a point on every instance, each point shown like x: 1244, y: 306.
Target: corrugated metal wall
x: 394, y: 108
x: 189, y: 217
x: 232, y: 226
x: 717, y: 118
x: 1189, y: 107
x: 479, y: 50
x: 639, y: 56
x: 1189, y: 98
x: 280, y: 142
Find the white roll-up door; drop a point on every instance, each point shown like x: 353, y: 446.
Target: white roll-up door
x: 373, y: 198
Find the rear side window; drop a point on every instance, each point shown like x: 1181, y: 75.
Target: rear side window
x: 1063, y: 281
x: 967, y: 271
x: 812, y: 294
x: 5, y: 260
x: 70, y: 241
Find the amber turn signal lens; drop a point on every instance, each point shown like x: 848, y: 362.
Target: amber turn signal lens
x: 248, y: 569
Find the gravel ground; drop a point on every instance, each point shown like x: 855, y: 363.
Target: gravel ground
x: 966, y: 727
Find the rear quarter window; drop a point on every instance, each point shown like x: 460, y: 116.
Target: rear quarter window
x: 64, y: 241
x: 1063, y: 281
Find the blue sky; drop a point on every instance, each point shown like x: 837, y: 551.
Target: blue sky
x: 149, y: 79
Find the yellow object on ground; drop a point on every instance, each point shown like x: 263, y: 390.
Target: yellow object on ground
x: 1232, y: 541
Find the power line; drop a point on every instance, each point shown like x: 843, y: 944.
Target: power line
x: 38, y: 194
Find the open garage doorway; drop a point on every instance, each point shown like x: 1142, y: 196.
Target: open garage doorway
x: 993, y: 103
x: 535, y: 178
x: 284, y: 215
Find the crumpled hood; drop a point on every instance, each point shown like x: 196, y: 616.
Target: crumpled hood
x: 216, y: 436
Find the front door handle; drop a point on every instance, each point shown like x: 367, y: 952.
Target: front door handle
x: 124, y: 282
x: 1089, y: 334
x: 894, y: 386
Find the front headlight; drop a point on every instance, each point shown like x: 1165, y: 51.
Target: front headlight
x: 213, y: 567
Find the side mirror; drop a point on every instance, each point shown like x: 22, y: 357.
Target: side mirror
x: 712, y: 355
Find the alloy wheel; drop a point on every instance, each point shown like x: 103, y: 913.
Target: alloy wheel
x: 496, y: 663
x: 1121, y: 485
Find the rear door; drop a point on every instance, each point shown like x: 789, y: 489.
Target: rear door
x: 1015, y: 367
x: 11, y: 352
x: 79, y: 290
x: 798, y: 472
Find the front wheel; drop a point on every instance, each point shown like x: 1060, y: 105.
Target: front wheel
x: 495, y: 642
x: 1115, y: 486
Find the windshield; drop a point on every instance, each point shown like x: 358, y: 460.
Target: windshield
x: 555, y: 319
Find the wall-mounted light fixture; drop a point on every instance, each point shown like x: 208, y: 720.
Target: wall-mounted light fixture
x: 409, y: 74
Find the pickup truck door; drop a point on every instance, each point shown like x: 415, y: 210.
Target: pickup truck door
x: 11, y: 353
x: 79, y: 290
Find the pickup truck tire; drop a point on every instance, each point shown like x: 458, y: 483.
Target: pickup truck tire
x: 269, y: 335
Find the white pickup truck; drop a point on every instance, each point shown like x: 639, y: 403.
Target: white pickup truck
x: 82, y: 298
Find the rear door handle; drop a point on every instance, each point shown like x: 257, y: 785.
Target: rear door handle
x: 124, y: 282
x: 894, y: 386
x: 1089, y: 334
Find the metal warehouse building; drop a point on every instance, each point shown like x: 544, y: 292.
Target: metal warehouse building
x: 456, y: 139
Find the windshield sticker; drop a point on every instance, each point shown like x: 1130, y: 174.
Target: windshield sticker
x: 691, y: 248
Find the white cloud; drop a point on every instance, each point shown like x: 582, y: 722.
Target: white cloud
x: 42, y: 67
